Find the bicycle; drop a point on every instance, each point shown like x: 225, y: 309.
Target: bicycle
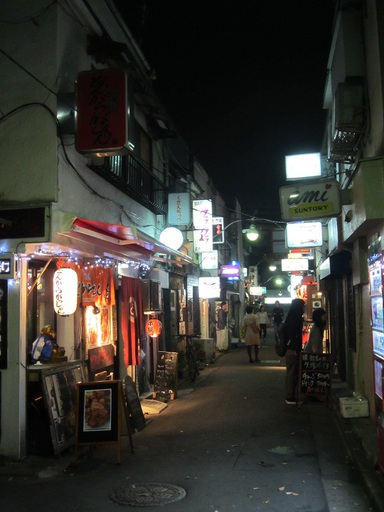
x: 190, y: 352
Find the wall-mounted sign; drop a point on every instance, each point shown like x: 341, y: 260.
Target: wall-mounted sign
x: 179, y: 208
x: 312, y: 201
x: 7, y: 266
x: 209, y: 260
x: 217, y: 230
x: 304, y: 234
x: 295, y: 265
x: 202, y: 221
x: 102, y: 112
x: 209, y: 287
x: 298, y: 167
x: 230, y: 270
x: 253, y: 277
x: 257, y: 290
x: 202, y: 240
x: 202, y: 214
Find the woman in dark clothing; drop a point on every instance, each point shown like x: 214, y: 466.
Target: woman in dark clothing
x: 294, y: 329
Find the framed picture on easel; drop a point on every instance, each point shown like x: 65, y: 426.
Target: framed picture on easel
x: 98, y: 417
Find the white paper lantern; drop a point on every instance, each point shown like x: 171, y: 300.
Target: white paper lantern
x: 65, y: 291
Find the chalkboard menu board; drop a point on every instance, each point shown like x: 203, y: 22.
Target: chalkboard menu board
x: 135, y: 415
x: 315, y: 373
x: 165, y: 387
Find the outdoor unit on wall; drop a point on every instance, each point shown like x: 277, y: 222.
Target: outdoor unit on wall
x: 151, y: 295
x: 104, y: 118
x: 347, y: 125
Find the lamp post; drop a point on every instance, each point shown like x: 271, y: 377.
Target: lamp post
x: 251, y: 233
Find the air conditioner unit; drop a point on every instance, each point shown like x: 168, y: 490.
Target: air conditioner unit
x: 347, y: 123
x: 348, y: 108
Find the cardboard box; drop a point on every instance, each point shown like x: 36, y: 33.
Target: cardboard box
x: 352, y: 407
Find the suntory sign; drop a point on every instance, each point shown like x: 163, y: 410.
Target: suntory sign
x: 310, y: 201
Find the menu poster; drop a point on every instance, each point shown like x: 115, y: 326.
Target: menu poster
x: 377, y: 312
x: 375, y: 278
x: 378, y: 343
x: 378, y: 379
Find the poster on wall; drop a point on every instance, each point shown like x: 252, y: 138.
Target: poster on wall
x: 378, y: 369
x: 375, y: 278
x: 377, y: 312
x: 378, y: 343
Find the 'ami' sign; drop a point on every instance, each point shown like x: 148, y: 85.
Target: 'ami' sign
x: 310, y: 201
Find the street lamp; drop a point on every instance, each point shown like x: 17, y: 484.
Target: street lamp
x: 251, y: 233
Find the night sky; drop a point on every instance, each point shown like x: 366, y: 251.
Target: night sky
x: 243, y: 80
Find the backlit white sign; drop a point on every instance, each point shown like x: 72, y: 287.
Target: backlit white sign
x: 298, y: 167
x: 296, y: 265
x: 202, y: 214
x: 209, y: 260
x: 209, y: 287
x: 304, y: 234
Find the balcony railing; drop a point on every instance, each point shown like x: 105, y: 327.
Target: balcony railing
x: 134, y: 179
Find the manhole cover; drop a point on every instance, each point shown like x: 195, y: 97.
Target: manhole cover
x: 147, y: 494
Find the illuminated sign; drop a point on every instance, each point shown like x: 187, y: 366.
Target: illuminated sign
x: 217, y: 230
x: 313, y: 201
x: 209, y: 260
x: 202, y: 214
x: 295, y: 265
x: 209, y: 287
x: 230, y: 271
x: 257, y: 290
x: 202, y: 221
x: 6, y: 266
x: 304, y: 234
x: 298, y: 167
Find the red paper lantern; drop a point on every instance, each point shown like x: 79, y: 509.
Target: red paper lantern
x: 153, y: 327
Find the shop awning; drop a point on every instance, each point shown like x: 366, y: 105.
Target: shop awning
x: 125, y: 240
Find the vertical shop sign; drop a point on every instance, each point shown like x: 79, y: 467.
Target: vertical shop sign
x: 102, y: 112
x: 179, y: 211
x: 217, y: 230
x: 202, y: 221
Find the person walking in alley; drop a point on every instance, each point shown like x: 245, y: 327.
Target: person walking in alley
x: 252, y: 333
x: 315, y: 341
x: 222, y: 327
x: 262, y: 316
x: 294, y: 332
x: 278, y: 315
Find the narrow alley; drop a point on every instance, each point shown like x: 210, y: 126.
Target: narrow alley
x: 228, y: 442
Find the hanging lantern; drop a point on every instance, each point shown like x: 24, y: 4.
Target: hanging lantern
x: 65, y: 291
x: 153, y: 327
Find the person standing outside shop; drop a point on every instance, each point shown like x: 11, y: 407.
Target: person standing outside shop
x: 222, y: 327
x: 262, y: 316
x: 316, y: 335
x: 294, y: 332
x: 252, y: 333
x: 278, y: 315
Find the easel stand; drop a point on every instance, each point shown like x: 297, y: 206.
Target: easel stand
x: 315, y: 376
x: 98, y: 415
